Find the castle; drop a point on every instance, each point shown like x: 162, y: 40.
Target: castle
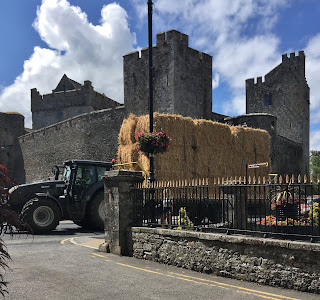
x: 74, y: 121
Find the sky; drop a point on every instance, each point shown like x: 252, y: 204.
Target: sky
x: 86, y: 40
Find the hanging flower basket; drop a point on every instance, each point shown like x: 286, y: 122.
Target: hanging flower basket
x: 153, y: 143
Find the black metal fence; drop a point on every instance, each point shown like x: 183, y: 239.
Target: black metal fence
x: 281, y: 208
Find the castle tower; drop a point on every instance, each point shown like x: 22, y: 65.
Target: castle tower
x: 67, y: 100
x: 285, y: 95
x: 182, y: 78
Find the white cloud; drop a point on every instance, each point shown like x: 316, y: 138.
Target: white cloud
x: 315, y: 140
x: 237, y: 33
x: 312, y: 52
x: 77, y: 48
x: 215, y: 81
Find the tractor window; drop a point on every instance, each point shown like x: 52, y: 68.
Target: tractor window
x: 100, y: 171
x: 66, y: 174
x: 85, y: 175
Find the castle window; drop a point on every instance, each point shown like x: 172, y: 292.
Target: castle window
x: 268, y: 99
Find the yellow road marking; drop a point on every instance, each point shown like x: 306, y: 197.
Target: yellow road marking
x: 258, y: 295
x: 63, y: 241
x: 240, y: 288
x: 96, y: 254
x: 140, y: 269
x: 210, y: 283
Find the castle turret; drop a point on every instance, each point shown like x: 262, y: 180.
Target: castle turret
x: 284, y: 93
x: 182, y: 78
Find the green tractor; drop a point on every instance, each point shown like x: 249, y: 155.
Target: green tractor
x: 78, y: 195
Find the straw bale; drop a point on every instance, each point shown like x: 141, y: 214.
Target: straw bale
x: 142, y: 124
x: 201, y: 148
x: 127, y: 131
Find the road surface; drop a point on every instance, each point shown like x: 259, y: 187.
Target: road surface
x: 67, y: 265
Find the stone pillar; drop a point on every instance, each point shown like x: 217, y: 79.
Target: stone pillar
x: 119, y: 196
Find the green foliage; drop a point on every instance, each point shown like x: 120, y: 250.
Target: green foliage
x: 8, y: 220
x: 184, y: 221
x: 314, y: 214
x: 315, y: 162
x: 155, y: 142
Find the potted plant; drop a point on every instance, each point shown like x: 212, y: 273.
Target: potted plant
x: 152, y: 143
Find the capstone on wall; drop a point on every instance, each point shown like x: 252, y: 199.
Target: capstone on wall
x: 12, y: 126
x: 91, y: 136
x: 285, y: 94
x: 71, y: 100
x: 182, y: 78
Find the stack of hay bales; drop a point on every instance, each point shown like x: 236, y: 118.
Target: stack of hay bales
x: 199, y: 148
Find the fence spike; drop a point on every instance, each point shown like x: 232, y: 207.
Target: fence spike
x: 311, y: 178
x: 264, y: 180
x: 254, y: 180
x: 280, y: 179
x: 245, y: 179
x: 218, y: 180
x: 299, y: 178
x: 207, y: 181
x: 249, y: 180
x: 287, y: 178
x: 259, y: 180
x: 292, y: 179
x: 305, y: 179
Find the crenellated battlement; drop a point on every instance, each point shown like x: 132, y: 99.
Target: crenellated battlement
x: 251, y: 82
x: 171, y: 38
x: 293, y: 56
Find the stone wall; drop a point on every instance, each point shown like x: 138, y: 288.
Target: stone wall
x: 61, y: 105
x: 284, y: 94
x: 92, y: 136
x: 292, y: 265
x: 182, y: 78
x: 11, y: 127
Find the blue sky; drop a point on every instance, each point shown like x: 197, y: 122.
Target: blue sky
x: 42, y: 40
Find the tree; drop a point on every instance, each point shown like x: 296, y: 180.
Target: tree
x: 315, y: 162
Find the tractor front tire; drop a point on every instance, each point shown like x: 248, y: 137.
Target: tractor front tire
x: 97, y: 211
x: 41, y: 215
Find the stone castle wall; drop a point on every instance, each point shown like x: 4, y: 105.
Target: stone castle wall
x: 61, y: 105
x: 284, y: 94
x: 182, y: 78
x: 91, y: 136
x: 182, y: 85
x: 12, y: 126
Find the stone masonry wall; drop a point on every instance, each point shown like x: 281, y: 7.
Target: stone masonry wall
x: 11, y: 127
x: 284, y: 94
x: 91, y: 136
x: 182, y: 78
x: 58, y: 106
x: 293, y: 265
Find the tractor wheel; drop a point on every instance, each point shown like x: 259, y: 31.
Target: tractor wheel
x: 41, y: 215
x: 97, y: 211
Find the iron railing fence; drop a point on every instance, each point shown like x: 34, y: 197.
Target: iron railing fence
x: 286, y: 209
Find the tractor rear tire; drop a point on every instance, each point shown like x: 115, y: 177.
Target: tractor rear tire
x: 41, y: 215
x: 97, y: 211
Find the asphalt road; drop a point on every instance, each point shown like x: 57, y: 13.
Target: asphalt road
x: 67, y: 265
